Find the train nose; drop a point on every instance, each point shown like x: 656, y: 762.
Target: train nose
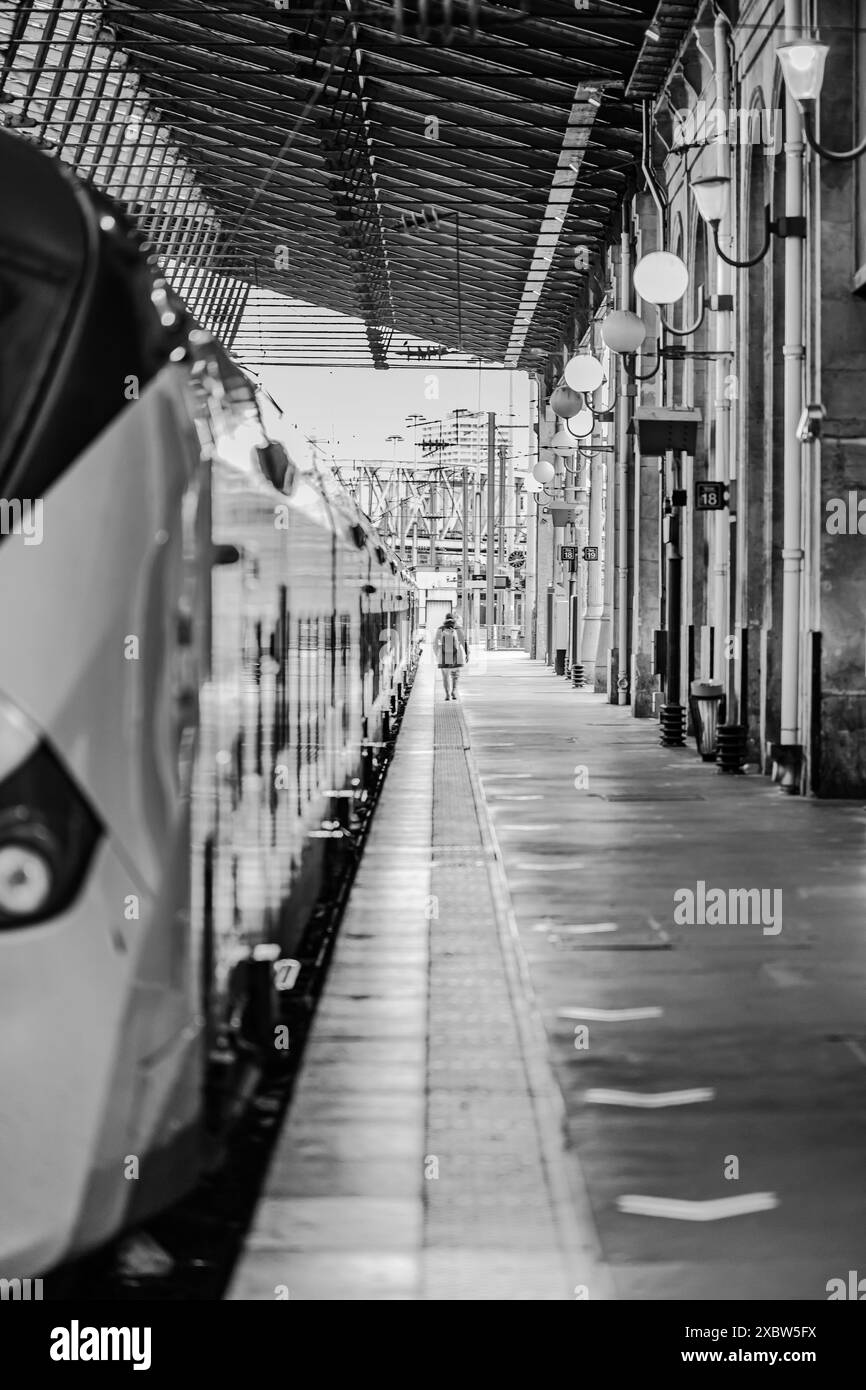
x: 63, y: 1001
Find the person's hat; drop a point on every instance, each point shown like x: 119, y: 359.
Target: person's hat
x: 450, y: 619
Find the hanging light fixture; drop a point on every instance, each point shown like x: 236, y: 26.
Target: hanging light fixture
x: 543, y: 472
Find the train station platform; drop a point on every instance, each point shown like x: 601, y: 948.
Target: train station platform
x: 547, y: 1063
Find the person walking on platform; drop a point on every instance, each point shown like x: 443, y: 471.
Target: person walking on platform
x: 452, y: 653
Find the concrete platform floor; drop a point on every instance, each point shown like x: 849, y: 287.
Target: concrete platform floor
x: 529, y: 1077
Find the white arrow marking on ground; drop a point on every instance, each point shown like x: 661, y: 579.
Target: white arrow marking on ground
x: 526, y: 826
x: 548, y: 868
x: 659, y: 929
x: 642, y: 1101
x: 680, y: 1209
x: 584, y: 930
x: 784, y: 976
x: 612, y: 1015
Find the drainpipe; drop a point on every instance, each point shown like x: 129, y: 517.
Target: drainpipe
x: 530, y: 596
x: 788, y: 758
x: 623, y: 404
x: 609, y: 514
x: 722, y: 668
x: 646, y: 169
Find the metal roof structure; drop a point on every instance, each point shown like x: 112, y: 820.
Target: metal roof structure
x: 435, y: 170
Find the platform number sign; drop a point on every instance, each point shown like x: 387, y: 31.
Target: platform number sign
x: 709, y: 497
x: 568, y: 552
x: 590, y: 552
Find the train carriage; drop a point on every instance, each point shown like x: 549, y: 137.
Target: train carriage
x: 195, y: 652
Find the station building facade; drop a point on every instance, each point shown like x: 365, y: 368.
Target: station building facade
x: 763, y: 394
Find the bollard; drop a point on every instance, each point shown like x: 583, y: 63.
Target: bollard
x: 672, y: 725
x: 731, y: 746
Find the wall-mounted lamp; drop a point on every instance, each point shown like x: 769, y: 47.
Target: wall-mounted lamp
x: 711, y: 196
x: 584, y: 373
x: 565, y: 402
x: 563, y: 441
x: 661, y: 278
x: 580, y: 426
x: 809, y: 428
x: 802, y: 63
x: 623, y: 331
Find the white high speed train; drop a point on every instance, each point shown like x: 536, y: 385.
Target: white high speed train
x: 198, y: 639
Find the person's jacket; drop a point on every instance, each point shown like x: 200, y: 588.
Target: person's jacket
x: 450, y: 645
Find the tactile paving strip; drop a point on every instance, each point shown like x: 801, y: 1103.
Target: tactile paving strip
x: 489, y: 1229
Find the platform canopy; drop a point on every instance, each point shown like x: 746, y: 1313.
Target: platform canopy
x: 432, y: 169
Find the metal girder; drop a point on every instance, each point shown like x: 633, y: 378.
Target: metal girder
x: 313, y: 127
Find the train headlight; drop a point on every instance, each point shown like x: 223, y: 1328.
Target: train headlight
x: 26, y: 880
x: 48, y: 829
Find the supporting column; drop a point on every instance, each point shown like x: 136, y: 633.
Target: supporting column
x: 647, y: 562
x: 465, y: 615
x: 531, y: 574
x: 623, y: 417
x: 491, y: 526
x: 788, y: 757
x: 720, y: 601
x: 592, y: 629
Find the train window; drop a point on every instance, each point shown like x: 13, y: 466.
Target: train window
x: 307, y: 705
x: 282, y: 637
x: 332, y: 650
x: 299, y: 708
x: 344, y: 675
x: 316, y: 706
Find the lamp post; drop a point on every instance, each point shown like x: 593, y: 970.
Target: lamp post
x: 394, y: 440
x: 413, y: 421
x: 467, y: 623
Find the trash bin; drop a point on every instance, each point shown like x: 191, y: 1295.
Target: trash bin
x: 706, y: 702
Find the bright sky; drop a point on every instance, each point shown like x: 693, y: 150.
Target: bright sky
x: 351, y: 411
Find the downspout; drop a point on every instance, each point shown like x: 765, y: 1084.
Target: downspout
x: 789, y: 759
x: 530, y: 598
x: 650, y: 177
x: 623, y: 407
x: 723, y: 669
